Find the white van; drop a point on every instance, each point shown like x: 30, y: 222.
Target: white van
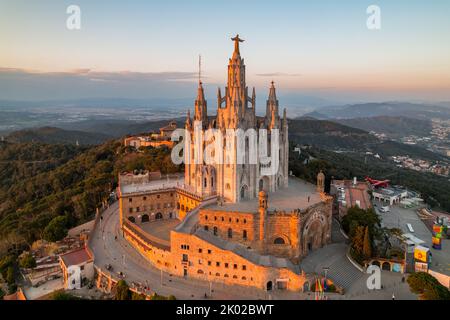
x: 385, y: 209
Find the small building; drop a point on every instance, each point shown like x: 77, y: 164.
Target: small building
x: 154, y: 139
x: 76, y: 266
x: 350, y: 193
x: 390, y: 195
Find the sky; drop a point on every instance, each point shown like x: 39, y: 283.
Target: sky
x: 149, y: 49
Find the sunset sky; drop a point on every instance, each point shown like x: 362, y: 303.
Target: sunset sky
x: 149, y: 49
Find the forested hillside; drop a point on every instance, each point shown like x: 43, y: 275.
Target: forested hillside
x: 433, y: 188
x: 73, y: 189
x: 57, y: 136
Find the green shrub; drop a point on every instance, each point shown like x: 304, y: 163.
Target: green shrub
x: 27, y: 261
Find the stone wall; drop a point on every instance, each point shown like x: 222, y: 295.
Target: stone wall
x: 240, y: 225
x: 161, y: 204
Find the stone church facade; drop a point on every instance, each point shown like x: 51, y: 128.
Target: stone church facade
x: 230, y: 180
x: 233, y: 224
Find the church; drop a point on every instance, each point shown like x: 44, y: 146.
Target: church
x: 229, y: 221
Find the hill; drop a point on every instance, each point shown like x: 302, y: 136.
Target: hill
x: 393, y: 127
x: 120, y: 128
x: 54, y: 135
x: 333, y: 136
x: 390, y: 109
x: 73, y: 189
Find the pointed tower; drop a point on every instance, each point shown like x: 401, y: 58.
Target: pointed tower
x: 235, y: 113
x: 272, y: 108
x: 320, y: 182
x: 201, y: 112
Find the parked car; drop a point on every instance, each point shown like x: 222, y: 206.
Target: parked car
x: 385, y: 209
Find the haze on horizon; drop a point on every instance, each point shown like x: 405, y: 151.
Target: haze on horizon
x: 146, y: 50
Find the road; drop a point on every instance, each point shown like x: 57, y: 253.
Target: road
x: 123, y: 257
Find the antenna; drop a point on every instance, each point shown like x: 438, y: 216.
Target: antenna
x: 199, y: 68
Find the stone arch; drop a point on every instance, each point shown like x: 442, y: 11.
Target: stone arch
x: 264, y: 184
x: 145, y: 218
x: 269, y: 286
x: 158, y: 216
x: 280, y: 180
x: 376, y: 263
x: 386, y: 266
x: 314, y: 235
x: 244, y: 192
x: 280, y: 239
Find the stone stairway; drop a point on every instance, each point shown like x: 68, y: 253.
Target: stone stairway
x: 343, y: 273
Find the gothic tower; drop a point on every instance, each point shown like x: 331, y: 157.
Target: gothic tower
x: 234, y: 180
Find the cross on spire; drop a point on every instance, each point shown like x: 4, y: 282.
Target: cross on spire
x: 236, y: 42
x: 200, y: 69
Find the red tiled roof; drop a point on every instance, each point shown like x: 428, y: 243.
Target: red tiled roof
x: 76, y: 257
x: 18, y: 295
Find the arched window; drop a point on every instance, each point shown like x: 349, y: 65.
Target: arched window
x: 227, y: 186
x: 205, y: 183
x: 230, y: 233
x: 215, y: 231
x: 212, y: 182
x: 279, y: 240
x: 244, y: 234
x: 199, y: 271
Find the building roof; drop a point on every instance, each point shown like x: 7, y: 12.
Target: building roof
x: 355, y: 192
x: 148, y: 186
x: 294, y: 197
x: 18, y: 295
x: 76, y: 257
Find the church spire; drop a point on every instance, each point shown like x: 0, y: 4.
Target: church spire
x: 200, y: 103
x: 272, y: 107
x: 272, y: 93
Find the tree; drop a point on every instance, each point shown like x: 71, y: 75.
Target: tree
x: 11, y: 275
x: 427, y: 286
x: 56, y: 229
x: 367, y: 248
x: 27, y: 261
x: 358, y: 240
x: 137, y: 296
x: 62, y: 295
x: 122, y: 291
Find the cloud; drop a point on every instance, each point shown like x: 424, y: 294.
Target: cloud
x: 278, y: 74
x: 18, y: 84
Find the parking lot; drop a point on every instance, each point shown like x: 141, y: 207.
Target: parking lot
x: 399, y: 217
